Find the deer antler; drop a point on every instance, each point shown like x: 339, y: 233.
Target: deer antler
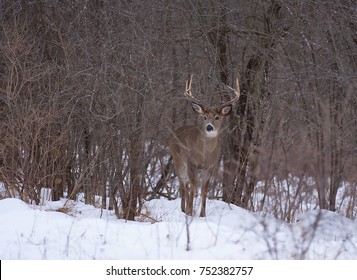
x: 237, y: 93
x: 188, y: 91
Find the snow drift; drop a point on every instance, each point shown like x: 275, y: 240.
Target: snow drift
x: 164, y: 232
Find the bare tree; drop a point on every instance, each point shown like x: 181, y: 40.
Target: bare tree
x: 91, y: 92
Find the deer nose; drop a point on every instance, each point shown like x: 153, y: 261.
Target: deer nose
x: 209, y: 127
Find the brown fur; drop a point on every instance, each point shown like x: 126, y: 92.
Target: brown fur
x: 195, y: 149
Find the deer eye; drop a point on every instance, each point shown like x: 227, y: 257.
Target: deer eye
x: 216, y: 117
x: 205, y: 117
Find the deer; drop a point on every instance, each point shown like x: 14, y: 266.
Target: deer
x: 196, y: 149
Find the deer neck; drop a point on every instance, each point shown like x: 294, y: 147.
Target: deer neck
x: 210, y: 142
x: 208, y: 151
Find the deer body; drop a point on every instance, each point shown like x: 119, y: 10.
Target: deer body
x: 189, y: 162
x: 196, y: 149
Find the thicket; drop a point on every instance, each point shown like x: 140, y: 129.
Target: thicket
x: 91, y: 91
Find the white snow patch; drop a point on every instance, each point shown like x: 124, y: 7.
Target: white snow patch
x: 228, y: 232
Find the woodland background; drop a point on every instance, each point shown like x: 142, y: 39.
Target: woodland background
x: 91, y: 91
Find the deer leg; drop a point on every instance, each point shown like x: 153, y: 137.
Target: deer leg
x: 191, y: 190
x: 183, y: 186
x: 203, y: 203
x: 183, y: 195
x: 190, y: 199
x: 187, y: 209
x: 204, y: 188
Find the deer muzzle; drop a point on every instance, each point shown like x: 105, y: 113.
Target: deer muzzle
x: 210, y: 131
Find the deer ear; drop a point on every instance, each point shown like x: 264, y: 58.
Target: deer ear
x: 197, y: 108
x: 226, y: 110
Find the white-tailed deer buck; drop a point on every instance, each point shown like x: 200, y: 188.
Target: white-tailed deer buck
x: 197, y: 148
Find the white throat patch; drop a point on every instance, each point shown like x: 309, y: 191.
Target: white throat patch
x: 211, y: 134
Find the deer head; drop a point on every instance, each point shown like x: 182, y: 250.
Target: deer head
x: 212, y: 117
x: 197, y: 148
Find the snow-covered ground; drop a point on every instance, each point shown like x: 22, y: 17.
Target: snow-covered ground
x: 164, y: 232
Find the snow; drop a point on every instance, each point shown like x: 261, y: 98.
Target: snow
x: 164, y: 232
